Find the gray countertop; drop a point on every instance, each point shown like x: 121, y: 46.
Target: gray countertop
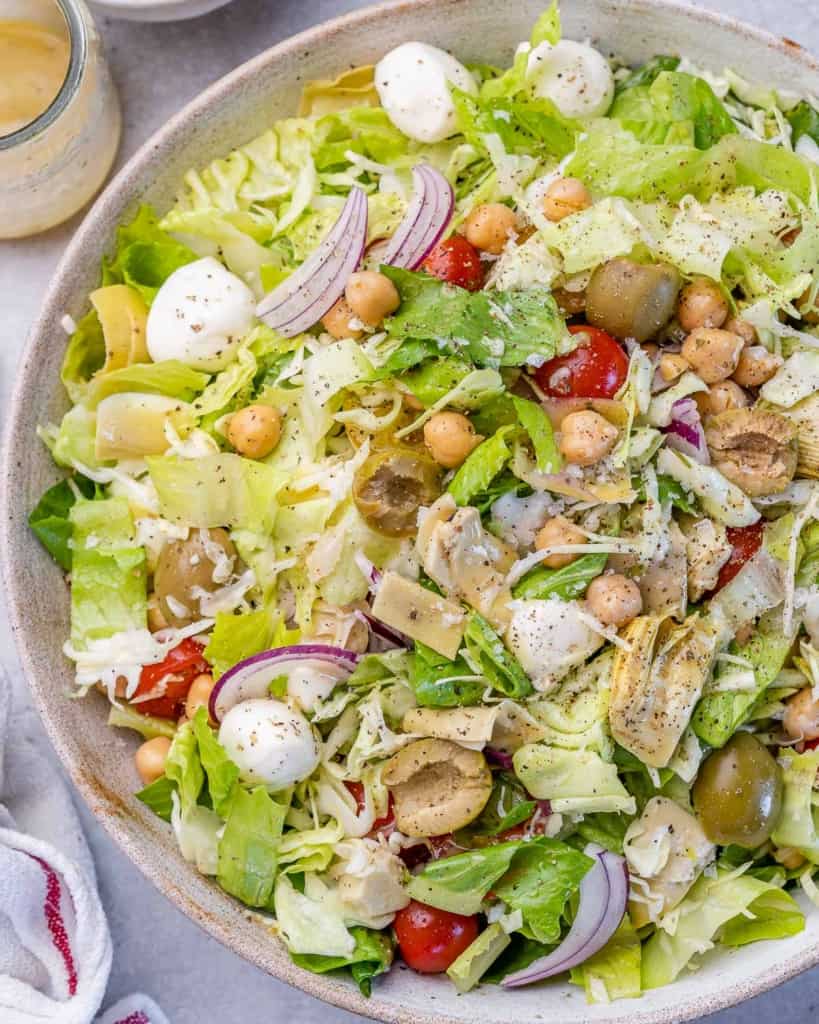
x: 159, y: 68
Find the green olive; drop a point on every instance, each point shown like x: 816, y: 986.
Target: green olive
x: 738, y: 793
x: 392, y: 485
x: 185, y: 564
x: 632, y: 300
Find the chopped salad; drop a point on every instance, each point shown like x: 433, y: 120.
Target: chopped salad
x: 442, y: 510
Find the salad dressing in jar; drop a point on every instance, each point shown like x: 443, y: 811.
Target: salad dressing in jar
x: 59, y: 115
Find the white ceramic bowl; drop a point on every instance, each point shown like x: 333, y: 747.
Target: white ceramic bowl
x: 155, y: 10
x: 229, y: 113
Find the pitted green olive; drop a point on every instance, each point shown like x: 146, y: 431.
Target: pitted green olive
x: 738, y: 793
x: 392, y: 485
x: 632, y: 300
x: 186, y: 564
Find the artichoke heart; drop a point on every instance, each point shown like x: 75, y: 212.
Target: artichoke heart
x: 805, y: 417
x: 657, y: 681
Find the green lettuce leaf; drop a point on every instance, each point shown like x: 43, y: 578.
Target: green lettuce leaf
x: 84, y: 355
x: 575, y: 781
x: 798, y: 824
x: 534, y: 127
x: 216, y: 490
x: 221, y: 773
x: 123, y: 716
x: 440, y: 683
x: 435, y: 377
x: 235, y: 637
x: 184, y: 767
x: 776, y: 915
x: 49, y: 519
x: 480, y: 467
x: 607, y: 830
x: 157, y: 797
x: 501, y: 669
x: 804, y: 120
x: 145, y: 255
x: 373, y: 955
x: 108, y: 574
x: 614, y: 972
x: 169, y: 377
x: 248, y: 849
x: 567, y: 583
x: 460, y: 883
x: 74, y: 440
x: 646, y: 73
x: 538, y: 426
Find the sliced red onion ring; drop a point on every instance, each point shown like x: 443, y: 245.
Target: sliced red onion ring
x: 368, y: 570
x: 303, y: 298
x: 685, y: 432
x: 603, y: 899
x: 252, y: 677
x: 499, y: 758
x: 426, y: 219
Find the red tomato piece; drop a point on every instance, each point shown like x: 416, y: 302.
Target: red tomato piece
x: 431, y: 939
x: 456, y: 261
x: 380, y: 824
x: 597, y: 368
x: 176, y: 673
x: 745, y: 541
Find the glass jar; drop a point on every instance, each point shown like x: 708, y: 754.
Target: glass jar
x: 53, y: 165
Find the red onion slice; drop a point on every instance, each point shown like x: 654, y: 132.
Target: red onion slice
x: 252, y: 677
x: 426, y: 219
x: 603, y: 900
x: 302, y: 299
x: 382, y: 637
x: 685, y: 432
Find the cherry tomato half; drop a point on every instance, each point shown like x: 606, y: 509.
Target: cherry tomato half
x: 456, y: 261
x: 431, y: 939
x: 745, y: 541
x: 595, y: 369
x: 179, y: 669
x: 380, y: 824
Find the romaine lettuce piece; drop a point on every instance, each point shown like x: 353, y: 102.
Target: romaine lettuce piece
x: 567, y: 583
x: 614, y: 972
x: 710, y: 905
x: 441, y: 683
x: 487, y: 651
x: 169, y: 377
x: 159, y: 797
x: 108, y: 574
x: 538, y: 426
x: 311, y: 922
x: 718, y: 715
x: 574, y: 781
x: 145, y: 256
x: 798, y: 824
x: 435, y: 377
x: 373, y: 955
x: 468, y: 969
x: 481, y: 467
x: 49, y: 519
x: 248, y: 849
x: 216, y: 490
x: 84, y: 355
x: 74, y: 441
x: 184, y: 768
x: 235, y: 637
x: 123, y: 716
x: 222, y: 774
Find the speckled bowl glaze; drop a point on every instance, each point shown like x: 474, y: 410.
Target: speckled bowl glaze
x: 98, y: 758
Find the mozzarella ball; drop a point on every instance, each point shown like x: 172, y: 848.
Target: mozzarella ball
x: 575, y: 77
x: 413, y: 83
x: 309, y: 685
x: 199, y: 316
x: 271, y: 743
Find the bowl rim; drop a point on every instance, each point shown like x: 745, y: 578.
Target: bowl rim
x: 325, y: 988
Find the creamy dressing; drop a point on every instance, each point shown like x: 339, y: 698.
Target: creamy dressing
x: 34, y: 62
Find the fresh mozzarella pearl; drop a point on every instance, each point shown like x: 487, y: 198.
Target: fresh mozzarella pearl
x: 270, y: 743
x: 308, y: 684
x: 199, y: 316
x: 413, y: 83
x: 549, y: 638
x: 575, y: 77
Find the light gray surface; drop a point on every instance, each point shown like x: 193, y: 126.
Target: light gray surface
x: 157, y: 950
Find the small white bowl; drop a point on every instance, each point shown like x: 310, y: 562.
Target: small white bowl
x: 155, y: 10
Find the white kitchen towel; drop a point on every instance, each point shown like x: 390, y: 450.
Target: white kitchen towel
x: 55, y: 947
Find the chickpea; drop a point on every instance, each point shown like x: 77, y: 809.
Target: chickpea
x: 150, y: 759
x: 336, y: 321
x: 490, y: 226
x: 801, y: 720
x: 450, y: 437
x: 558, y: 530
x: 156, y: 620
x: 701, y: 304
x: 587, y: 437
x: 712, y: 353
x: 672, y: 366
x: 371, y: 296
x: 756, y: 365
x: 727, y: 394
x: 255, y: 430
x: 789, y: 857
x: 565, y: 197
x: 614, y: 599
x: 198, y: 694
x: 743, y: 328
